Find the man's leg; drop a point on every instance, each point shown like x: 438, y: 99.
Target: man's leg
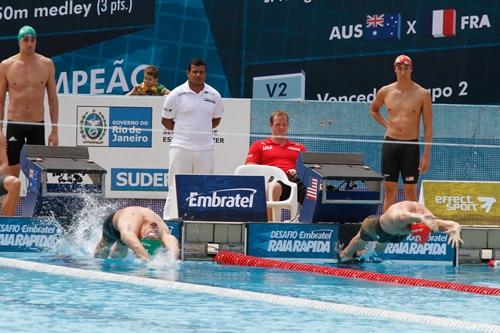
x: 102, y: 248
x: 14, y: 170
x: 120, y: 250
x: 391, y: 194
x: 13, y: 186
x: 180, y: 161
x: 356, y: 244
x: 410, y: 192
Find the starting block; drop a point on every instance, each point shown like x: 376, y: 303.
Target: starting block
x: 58, y: 178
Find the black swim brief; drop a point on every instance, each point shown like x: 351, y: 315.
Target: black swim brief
x: 108, y: 231
x: 380, y: 235
x: 400, y: 156
x: 19, y: 134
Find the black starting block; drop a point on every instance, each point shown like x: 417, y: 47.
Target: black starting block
x: 58, y: 178
x: 340, y: 187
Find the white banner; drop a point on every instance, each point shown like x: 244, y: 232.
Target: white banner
x: 125, y: 136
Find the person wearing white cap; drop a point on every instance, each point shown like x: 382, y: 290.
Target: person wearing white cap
x: 406, y: 103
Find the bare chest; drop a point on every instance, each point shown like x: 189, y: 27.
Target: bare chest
x: 25, y: 76
x: 405, y: 105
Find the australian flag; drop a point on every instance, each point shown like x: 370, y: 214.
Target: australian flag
x: 383, y: 26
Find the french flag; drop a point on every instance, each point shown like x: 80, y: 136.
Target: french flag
x: 444, y: 22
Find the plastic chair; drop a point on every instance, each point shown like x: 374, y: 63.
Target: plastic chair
x: 277, y: 174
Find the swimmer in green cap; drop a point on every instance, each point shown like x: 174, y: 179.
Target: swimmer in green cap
x: 25, y: 32
x: 136, y: 228
x: 29, y: 78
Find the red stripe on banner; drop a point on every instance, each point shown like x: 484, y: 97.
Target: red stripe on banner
x: 449, y: 22
x: 238, y: 259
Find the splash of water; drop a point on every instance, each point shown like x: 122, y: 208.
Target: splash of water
x: 85, y: 228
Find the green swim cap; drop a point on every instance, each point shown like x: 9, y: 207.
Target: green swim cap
x: 25, y: 31
x: 151, y: 245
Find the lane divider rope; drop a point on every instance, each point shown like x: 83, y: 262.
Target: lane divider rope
x: 232, y: 258
x: 250, y: 295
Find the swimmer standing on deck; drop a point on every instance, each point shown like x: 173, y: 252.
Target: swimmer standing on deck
x: 26, y: 76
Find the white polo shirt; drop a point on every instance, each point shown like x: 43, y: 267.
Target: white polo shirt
x: 193, y: 114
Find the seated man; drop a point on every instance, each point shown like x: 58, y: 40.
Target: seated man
x: 280, y: 152
x: 395, y: 225
x: 135, y: 228
x: 9, y: 186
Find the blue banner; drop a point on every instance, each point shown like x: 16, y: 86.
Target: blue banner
x: 311, y: 241
x: 435, y: 249
x: 28, y: 235
x: 221, y: 198
x: 136, y: 179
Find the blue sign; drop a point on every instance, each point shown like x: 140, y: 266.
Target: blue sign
x: 28, y: 235
x: 175, y: 228
x: 435, y: 249
x: 135, y: 179
x: 312, y: 241
x: 130, y: 126
x: 221, y: 198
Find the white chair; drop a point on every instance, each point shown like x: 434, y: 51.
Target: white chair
x: 276, y: 174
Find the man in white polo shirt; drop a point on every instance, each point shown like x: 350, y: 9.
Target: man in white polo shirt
x: 191, y: 110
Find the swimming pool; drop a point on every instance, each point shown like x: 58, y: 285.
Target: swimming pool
x: 178, y: 298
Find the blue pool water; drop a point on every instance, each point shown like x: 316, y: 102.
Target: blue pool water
x: 41, y: 302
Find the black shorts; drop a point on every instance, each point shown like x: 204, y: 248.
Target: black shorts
x: 3, y: 190
x: 19, y: 134
x: 286, y: 190
x: 109, y: 233
x: 373, y: 222
x: 401, y: 158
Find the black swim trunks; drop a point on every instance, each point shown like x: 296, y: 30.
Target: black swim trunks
x: 401, y: 158
x: 19, y: 134
x: 108, y: 231
x: 380, y: 235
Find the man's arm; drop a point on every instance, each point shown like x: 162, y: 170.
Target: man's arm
x: 171, y: 244
x: 53, y: 105
x: 3, y: 93
x: 453, y: 229
x: 427, y: 120
x: 215, y: 122
x: 377, y: 103
x: 132, y: 241
x: 129, y: 236
x: 168, y: 123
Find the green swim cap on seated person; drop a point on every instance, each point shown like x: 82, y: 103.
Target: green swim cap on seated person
x: 25, y: 31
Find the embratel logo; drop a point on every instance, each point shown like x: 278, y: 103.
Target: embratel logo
x: 227, y: 198
x: 93, y: 127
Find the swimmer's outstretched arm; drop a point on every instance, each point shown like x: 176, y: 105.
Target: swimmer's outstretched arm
x: 171, y: 244
x: 133, y: 243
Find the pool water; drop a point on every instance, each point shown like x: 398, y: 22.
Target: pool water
x: 41, y: 302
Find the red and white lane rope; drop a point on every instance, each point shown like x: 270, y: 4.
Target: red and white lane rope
x: 232, y: 258
x: 251, y: 296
